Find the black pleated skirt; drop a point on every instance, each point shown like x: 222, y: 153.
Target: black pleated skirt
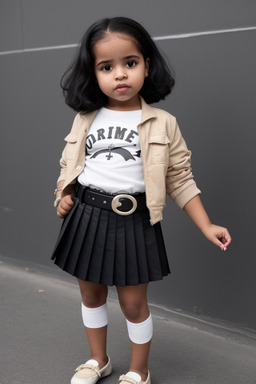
x: 103, y: 247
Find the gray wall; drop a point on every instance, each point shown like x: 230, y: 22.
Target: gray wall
x: 214, y: 101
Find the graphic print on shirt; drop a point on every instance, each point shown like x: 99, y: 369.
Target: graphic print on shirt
x: 113, y: 161
x: 116, y: 135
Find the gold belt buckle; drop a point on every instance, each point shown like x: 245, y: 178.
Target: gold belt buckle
x: 116, y: 203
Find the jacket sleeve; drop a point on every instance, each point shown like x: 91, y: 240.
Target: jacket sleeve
x: 63, y: 167
x: 66, y: 154
x: 180, y: 184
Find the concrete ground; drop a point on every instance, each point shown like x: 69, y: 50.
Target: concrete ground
x: 42, y: 339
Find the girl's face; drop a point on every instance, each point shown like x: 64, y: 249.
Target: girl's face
x: 120, y: 70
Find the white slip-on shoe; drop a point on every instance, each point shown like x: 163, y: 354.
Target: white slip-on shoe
x: 89, y: 374
x: 128, y: 380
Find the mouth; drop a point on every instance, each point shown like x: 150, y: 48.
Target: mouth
x: 122, y: 88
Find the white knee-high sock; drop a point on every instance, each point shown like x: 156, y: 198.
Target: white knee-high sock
x: 95, y: 317
x: 140, y: 333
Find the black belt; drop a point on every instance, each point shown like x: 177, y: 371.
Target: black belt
x: 123, y: 204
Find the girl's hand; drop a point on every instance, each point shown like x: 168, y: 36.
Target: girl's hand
x: 64, y: 206
x: 218, y: 235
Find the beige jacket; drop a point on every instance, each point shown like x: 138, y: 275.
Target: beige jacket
x: 166, y: 159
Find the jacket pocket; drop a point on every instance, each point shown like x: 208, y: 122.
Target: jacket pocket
x: 70, y: 148
x: 159, y: 148
x: 71, y: 138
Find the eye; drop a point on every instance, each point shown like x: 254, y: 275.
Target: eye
x: 131, y: 64
x: 106, y: 68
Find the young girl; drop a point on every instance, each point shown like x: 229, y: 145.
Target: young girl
x: 121, y: 158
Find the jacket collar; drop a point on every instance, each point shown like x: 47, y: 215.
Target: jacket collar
x: 89, y: 117
x: 148, y: 113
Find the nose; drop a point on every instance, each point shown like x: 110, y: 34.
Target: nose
x: 120, y: 73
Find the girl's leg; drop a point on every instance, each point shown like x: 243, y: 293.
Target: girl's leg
x: 94, y: 296
x: 133, y: 302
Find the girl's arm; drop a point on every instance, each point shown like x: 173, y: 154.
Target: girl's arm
x: 218, y: 235
x: 65, y: 204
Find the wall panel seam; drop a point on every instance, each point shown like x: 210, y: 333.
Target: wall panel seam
x: 156, y: 38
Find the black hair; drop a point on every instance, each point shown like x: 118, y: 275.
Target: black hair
x: 79, y: 84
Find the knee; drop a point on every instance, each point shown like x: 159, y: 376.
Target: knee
x: 134, y: 311
x: 93, y: 298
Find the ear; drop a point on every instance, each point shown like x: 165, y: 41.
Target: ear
x: 147, y: 67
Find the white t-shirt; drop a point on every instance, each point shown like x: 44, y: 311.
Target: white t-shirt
x: 113, y: 157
